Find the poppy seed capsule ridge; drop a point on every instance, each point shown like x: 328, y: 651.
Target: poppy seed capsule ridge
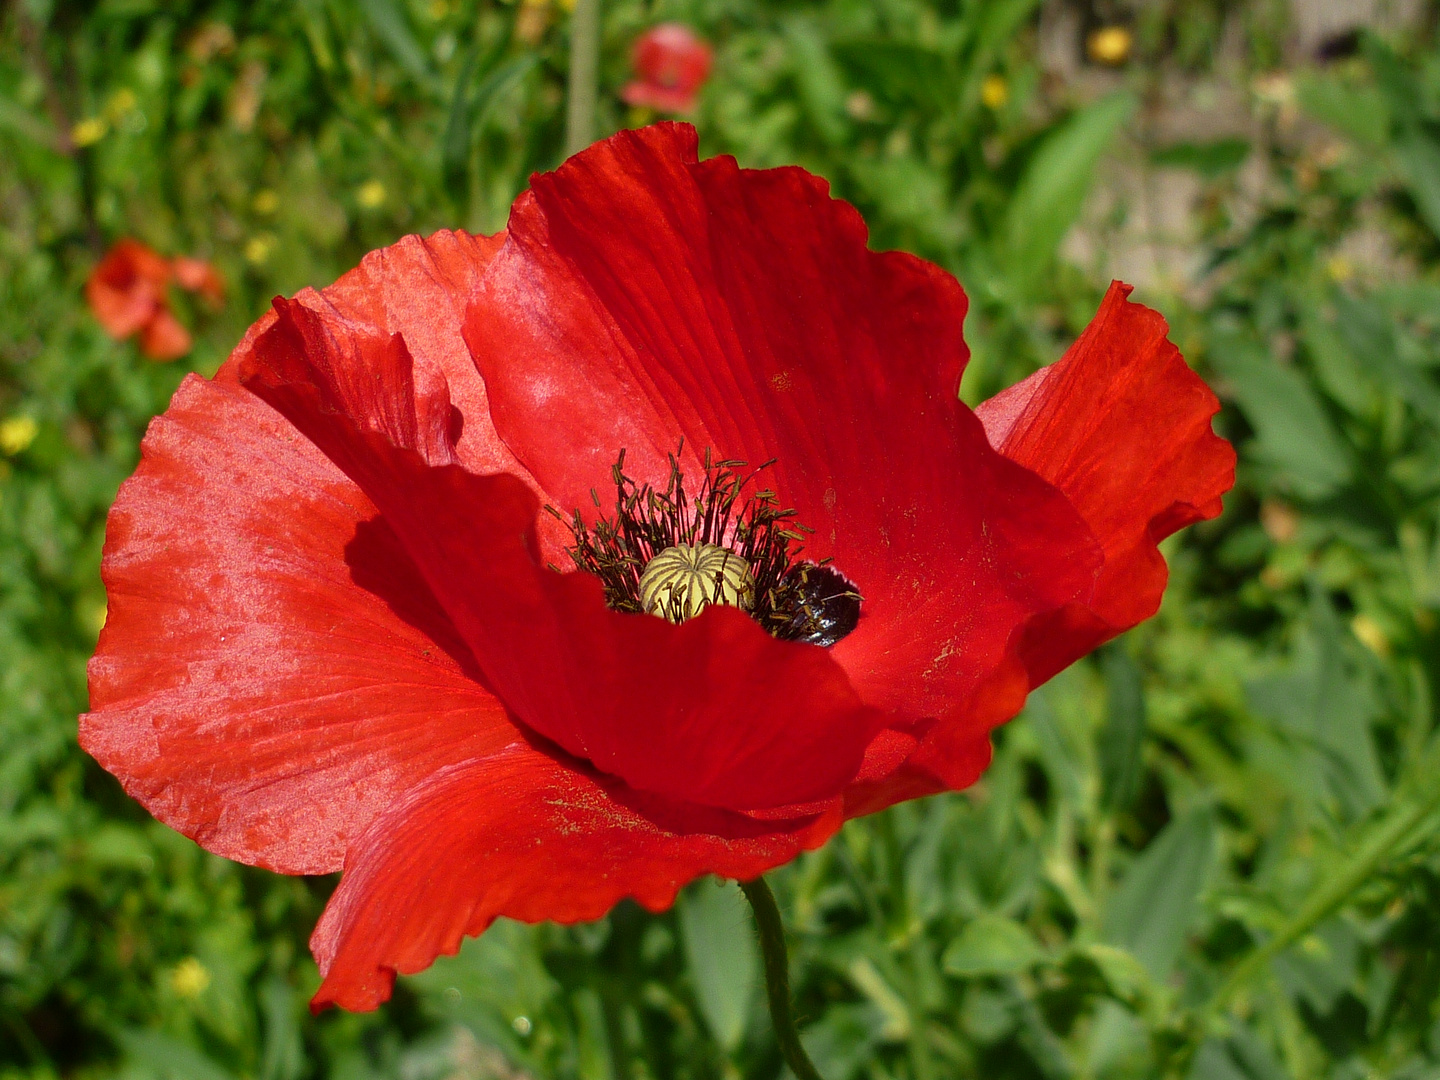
x: 684, y: 580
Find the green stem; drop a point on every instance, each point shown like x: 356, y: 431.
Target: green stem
x: 777, y: 977
x: 620, y: 1067
x: 1388, y: 835
x: 920, y: 1059
x: 911, y: 964
x: 584, y: 87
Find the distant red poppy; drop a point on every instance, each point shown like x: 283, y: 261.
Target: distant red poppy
x: 340, y: 636
x: 671, y: 64
x: 126, y: 292
x: 198, y: 276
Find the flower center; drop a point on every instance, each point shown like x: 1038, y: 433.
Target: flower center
x: 673, y: 554
x: 683, y: 580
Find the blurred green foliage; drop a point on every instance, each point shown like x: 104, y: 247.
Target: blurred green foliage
x: 1212, y: 851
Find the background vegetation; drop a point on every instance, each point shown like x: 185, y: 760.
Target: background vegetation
x: 1211, y: 851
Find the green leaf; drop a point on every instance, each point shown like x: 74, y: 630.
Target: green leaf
x: 167, y: 1058
x: 1363, y: 113
x: 455, y: 143
x: 390, y: 26
x: 468, y: 113
x: 1369, y: 333
x: 1240, y: 1057
x: 1052, y: 190
x: 997, y: 22
x: 1321, y: 966
x: 1340, y: 373
x: 1117, y: 1043
x: 1209, y: 159
x: 992, y: 945
x: 719, y: 941
x: 317, y: 32
x: 821, y: 85
x: 593, y: 1051
x: 22, y: 121
x: 1419, y: 157
x: 491, y: 984
x: 1322, y: 700
x: 117, y: 846
x: 1411, y: 299
x: 1125, y: 977
x: 841, y: 1041
x: 1122, y: 737
x: 1402, y: 90
x: 1293, y: 433
x: 868, y: 980
x: 1213, y: 1062
x: 283, y: 1053
x: 900, y: 71
x: 1062, y: 753
x: 1151, y: 910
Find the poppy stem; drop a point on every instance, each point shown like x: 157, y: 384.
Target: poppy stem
x: 583, y: 90
x: 777, y: 977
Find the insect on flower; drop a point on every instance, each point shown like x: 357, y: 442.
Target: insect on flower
x: 516, y: 575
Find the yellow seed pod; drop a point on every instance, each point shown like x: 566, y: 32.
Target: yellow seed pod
x: 682, y: 581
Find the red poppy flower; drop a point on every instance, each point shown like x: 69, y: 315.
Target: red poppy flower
x: 126, y: 292
x: 671, y: 64
x: 336, y: 640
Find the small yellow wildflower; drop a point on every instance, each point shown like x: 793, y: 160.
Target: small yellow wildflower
x: 1371, y: 634
x: 120, y: 103
x: 190, y: 979
x: 89, y: 131
x: 265, y: 202
x: 258, y: 248
x: 17, y: 433
x: 371, y: 194
x: 1110, y: 45
x: 994, y: 91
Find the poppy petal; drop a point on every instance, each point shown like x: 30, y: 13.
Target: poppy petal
x: 163, y: 338
x: 522, y: 835
x: 272, y: 673
x: 197, y: 275
x: 644, y: 296
x: 126, y: 287
x: 1121, y: 425
x: 714, y: 711
x: 419, y: 289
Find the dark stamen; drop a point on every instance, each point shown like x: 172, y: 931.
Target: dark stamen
x: 793, y: 600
